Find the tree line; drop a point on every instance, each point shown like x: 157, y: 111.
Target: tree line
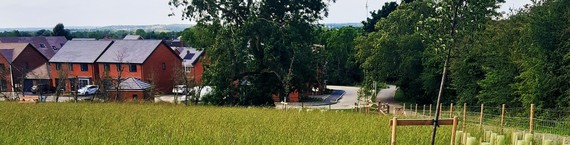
x: 518, y: 59
x: 59, y: 30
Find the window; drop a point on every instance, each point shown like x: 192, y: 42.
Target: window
x: 119, y: 67
x: 70, y: 66
x: 3, y: 85
x: 106, y: 67
x: 163, y: 66
x: 2, y: 67
x: 188, y: 69
x: 58, y: 66
x: 133, y: 68
x: 84, y: 67
x: 42, y: 45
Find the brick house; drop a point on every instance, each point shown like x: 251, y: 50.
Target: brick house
x: 77, y: 60
x: 22, y: 63
x: 192, y: 63
x: 151, y: 61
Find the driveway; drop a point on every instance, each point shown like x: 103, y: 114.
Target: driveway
x: 346, y: 102
x: 387, y: 96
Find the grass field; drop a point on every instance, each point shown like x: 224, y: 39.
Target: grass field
x: 83, y: 123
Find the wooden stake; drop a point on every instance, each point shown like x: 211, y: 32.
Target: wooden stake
x: 395, y: 124
x: 454, y: 130
x: 416, y: 112
x: 502, y: 117
x: 464, y: 117
x: 531, y: 125
x: 451, y: 110
x: 481, y: 116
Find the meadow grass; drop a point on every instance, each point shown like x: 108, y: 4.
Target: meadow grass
x: 109, y: 123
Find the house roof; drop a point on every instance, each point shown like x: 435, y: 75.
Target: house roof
x: 56, y: 42
x: 129, y: 51
x: 39, y: 41
x: 133, y: 37
x: 81, y: 51
x: 189, y: 56
x: 134, y: 84
x: 12, y: 50
x: 8, y: 54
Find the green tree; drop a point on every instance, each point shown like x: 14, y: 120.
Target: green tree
x: 341, y: 68
x: 262, y: 47
x: 59, y: 30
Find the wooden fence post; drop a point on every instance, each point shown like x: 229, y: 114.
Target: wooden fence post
x: 451, y: 110
x: 430, y: 110
x: 481, y: 116
x: 531, y: 129
x: 454, y: 130
x: 502, y: 116
x: 416, y: 112
x: 424, y: 110
x: 394, y: 124
x: 464, y: 117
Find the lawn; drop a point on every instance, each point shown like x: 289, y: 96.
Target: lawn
x: 109, y: 123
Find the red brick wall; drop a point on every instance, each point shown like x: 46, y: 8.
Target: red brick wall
x: 91, y: 72
x: 28, y: 55
x: 152, y: 68
x: 7, y: 72
x: 114, y: 73
x: 293, y: 97
x: 197, y: 72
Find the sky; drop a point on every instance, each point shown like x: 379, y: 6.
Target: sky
x: 47, y: 13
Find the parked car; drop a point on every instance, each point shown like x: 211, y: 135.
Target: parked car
x: 206, y: 90
x: 43, y: 88
x: 88, y: 90
x: 179, y: 89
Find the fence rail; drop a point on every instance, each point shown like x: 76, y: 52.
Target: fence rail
x: 501, y: 117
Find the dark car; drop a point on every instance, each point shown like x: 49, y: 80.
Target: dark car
x: 44, y: 88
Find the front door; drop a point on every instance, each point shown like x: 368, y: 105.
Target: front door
x: 83, y: 82
x: 28, y: 85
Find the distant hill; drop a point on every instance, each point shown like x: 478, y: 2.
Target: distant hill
x: 157, y: 27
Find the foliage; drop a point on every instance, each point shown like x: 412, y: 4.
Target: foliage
x: 260, y: 48
x: 339, y: 55
x: 109, y: 123
x: 59, y: 30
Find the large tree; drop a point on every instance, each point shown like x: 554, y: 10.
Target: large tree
x: 59, y: 30
x: 262, y: 47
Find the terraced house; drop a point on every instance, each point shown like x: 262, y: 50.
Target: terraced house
x: 151, y: 61
x: 21, y: 65
x: 76, y: 63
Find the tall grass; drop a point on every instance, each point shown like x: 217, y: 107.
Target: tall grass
x: 82, y: 123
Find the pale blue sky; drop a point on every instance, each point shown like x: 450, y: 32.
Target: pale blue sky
x: 47, y: 13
